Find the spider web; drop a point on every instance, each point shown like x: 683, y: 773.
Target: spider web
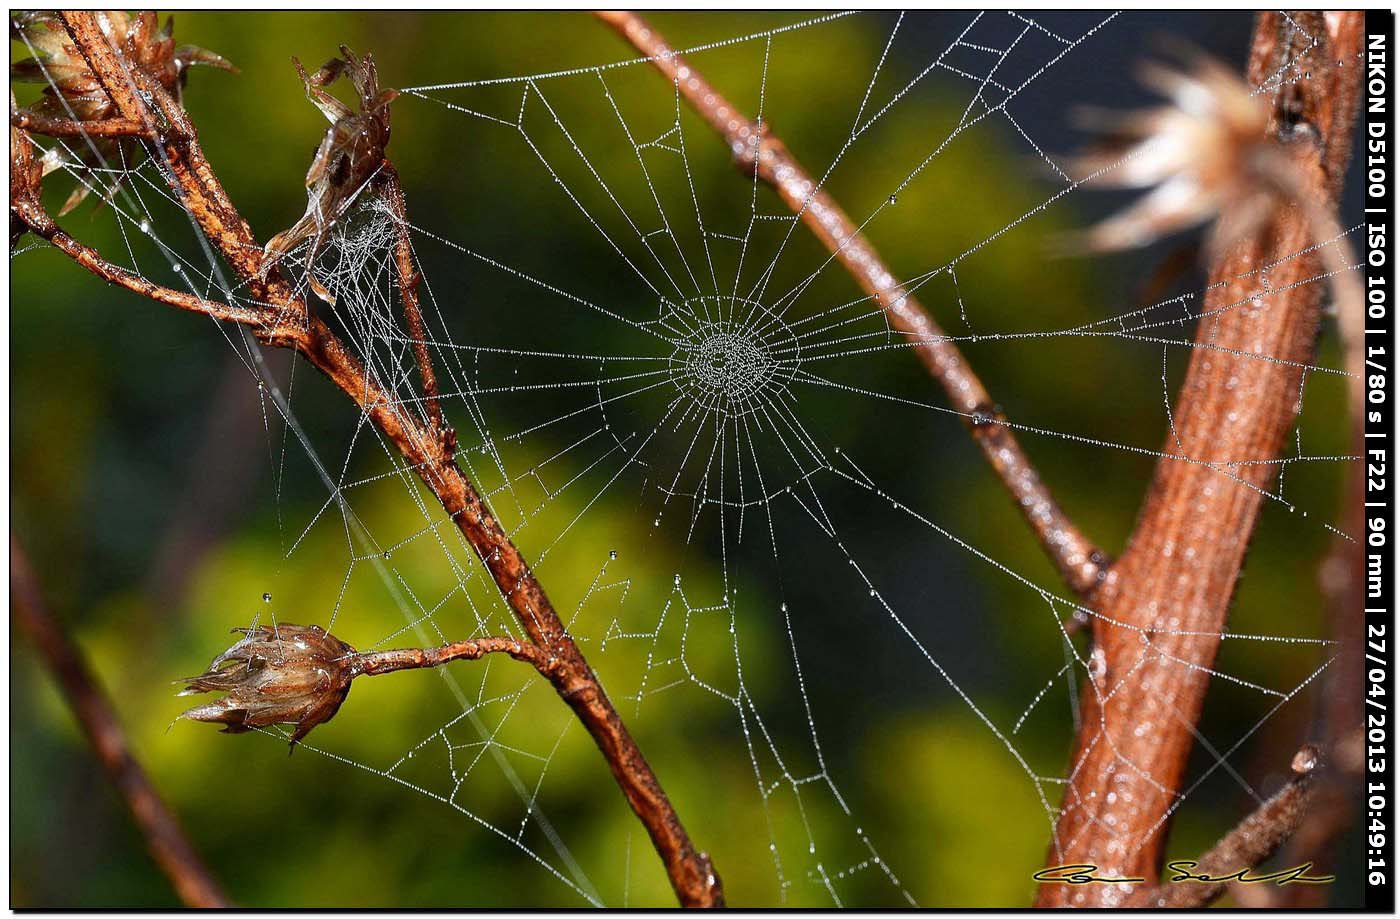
x: 714, y: 378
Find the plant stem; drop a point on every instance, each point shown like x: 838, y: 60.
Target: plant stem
x: 374, y: 663
x: 158, y: 825
x: 64, y: 127
x: 407, y: 274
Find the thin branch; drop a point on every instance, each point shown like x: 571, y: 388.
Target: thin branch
x: 1334, y: 809
x: 1248, y: 845
x: 1173, y: 585
x: 756, y: 149
x: 373, y: 663
x: 32, y: 216
x: 66, y: 127
x: 407, y: 275
x: 558, y: 671
x: 165, y: 839
x: 692, y: 876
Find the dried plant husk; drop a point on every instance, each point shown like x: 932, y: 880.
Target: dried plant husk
x: 72, y: 91
x: 1205, y: 156
x: 349, y: 156
x: 282, y: 674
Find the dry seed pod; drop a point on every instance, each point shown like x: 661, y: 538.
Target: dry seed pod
x: 283, y: 674
x: 73, y: 92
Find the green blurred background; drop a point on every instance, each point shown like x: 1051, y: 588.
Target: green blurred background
x: 160, y: 499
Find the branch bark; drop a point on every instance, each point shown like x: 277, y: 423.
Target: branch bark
x: 1172, y: 587
x: 287, y: 323
x: 165, y: 839
x: 756, y: 149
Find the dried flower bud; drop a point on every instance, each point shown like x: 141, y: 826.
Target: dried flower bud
x: 350, y: 153
x: 1204, y: 156
x: 283, y: 674
x: 73, y: 91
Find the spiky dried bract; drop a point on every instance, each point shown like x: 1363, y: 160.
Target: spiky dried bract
x: 349, y: 156
x: 73, y: 92
x: 283, y: 674
x: 1200, y: 156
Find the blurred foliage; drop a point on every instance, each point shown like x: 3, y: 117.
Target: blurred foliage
x: 127, y: 418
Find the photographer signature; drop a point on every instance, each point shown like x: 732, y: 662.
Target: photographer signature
x: 1183, y: 870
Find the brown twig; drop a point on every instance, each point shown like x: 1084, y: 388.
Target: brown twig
x: 1248, y: 845
x: 164, y: 837
x: 1334, y: 809
x: 288, y: 323
x: 65, y: 127
x: 177, y: 147
x: 37, y: 221
x: 1172, y: 588
x: 373, y: 663
x: 565, y: 679
x: 407, y: 274
x: 27, y: 213
x: 756, y: 149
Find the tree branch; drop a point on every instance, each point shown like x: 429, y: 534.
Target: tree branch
x: 1248, y: 845
x: 692, y: 876
x: 165, y: 839
x: 1079, y: 561
x: 1172, y: 587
